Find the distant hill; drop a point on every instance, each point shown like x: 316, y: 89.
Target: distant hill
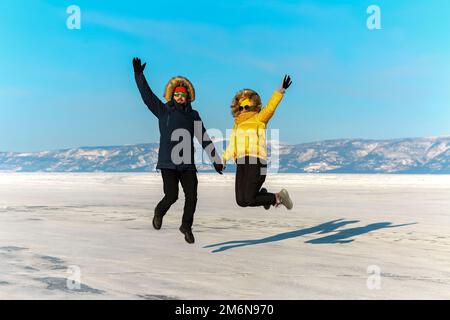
x: 411, y: 155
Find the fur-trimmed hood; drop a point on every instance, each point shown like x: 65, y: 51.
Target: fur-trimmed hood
x: 179, y: 81
x: 253, y: 96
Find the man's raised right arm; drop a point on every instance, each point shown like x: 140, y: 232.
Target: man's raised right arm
x: 154, y: 104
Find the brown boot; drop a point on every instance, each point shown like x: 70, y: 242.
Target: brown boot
x: 157, y: 220
x: 188, y: 236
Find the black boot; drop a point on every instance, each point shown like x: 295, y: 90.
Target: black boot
x: 188, y: 236
x: 157, y: 220
x: 266, y: 206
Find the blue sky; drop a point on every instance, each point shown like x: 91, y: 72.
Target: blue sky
x: 66, y: 88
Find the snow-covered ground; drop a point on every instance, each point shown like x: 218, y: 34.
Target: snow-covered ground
x: 342, y: 231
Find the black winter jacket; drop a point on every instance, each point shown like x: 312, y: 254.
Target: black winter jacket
x: 173, y: 116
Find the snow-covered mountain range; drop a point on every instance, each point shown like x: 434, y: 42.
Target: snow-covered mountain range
x: 411, y: 155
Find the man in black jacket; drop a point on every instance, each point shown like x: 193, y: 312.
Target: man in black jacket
x: 178, y: 123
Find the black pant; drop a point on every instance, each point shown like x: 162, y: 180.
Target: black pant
x: 250, y: 176
x: 189, y: 183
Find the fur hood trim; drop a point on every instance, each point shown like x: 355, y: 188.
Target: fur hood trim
x: 249, y: 94
x: 179, y: 81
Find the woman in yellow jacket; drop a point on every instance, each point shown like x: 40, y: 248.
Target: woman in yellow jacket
x: 248, y: 148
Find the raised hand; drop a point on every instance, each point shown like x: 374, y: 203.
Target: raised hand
x: 286, y: 82
x: 137, y: 66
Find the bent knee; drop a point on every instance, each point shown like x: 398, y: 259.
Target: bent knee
x: 190, y: 196
x: 172, y: 199
x: 191, y: 199
x: 241, y: 202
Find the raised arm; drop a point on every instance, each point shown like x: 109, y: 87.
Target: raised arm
x: 154, y: 104
x: 269, y: 109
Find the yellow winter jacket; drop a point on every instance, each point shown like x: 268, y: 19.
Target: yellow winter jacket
x: 248, y: 137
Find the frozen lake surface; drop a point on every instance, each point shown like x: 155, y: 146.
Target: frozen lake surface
x: 342, y: 231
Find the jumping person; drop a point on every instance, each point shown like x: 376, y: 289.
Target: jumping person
x: 175, y: 118
x: 248, y: 148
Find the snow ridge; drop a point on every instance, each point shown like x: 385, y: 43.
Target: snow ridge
x: 410, y: 155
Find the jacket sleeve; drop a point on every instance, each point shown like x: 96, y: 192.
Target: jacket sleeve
x: 205, y: 141
x: 153, y: 103
x: 267, y: 112
x: 229, y: 151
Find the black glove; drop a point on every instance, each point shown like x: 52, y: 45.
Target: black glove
x: 218, y: 168
x: 137, y: 66
x: 286, y: 82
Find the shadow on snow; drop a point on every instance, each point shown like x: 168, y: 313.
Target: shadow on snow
x: 340, y: 237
